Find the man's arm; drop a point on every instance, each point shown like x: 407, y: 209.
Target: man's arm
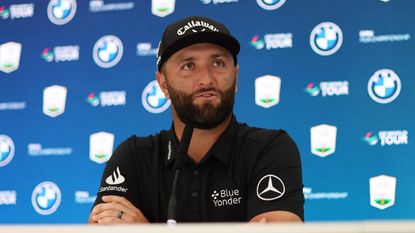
x: 276, y: 216
x: 116, y: 210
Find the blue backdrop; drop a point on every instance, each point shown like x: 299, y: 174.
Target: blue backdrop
x: 337, y: 75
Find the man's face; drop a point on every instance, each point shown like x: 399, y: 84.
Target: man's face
x: 200, y: 80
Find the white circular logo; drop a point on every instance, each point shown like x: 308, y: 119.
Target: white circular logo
x: 6, y: 150
x: 384, y: 86
x: 326, y: 38
x: 46, y: 198
x: 270, y: 187
x: 153, y: 98
x: 270, y: 4
x: 61, y: 11
x: 108, y: 51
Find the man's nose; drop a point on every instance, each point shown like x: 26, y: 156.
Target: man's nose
x: 206, y: 76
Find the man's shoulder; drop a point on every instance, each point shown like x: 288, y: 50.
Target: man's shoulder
x: 258, y: 135
x: 149, y: 141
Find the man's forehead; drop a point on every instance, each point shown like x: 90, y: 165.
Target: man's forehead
x: 200, y: 50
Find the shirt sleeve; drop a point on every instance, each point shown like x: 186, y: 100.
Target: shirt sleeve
x: 276, y: 178
x: 119, y: 177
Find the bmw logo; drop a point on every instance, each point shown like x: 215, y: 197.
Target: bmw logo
x: 326, y: 38
x: 46, y: 198
x: 153, y: 98
x: 6, y: 150
x: 61, y: 11
x: 384, y: 86
x: 270, y: 4
x: 108, y: 51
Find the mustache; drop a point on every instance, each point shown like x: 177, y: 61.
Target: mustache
x: 207, y: 89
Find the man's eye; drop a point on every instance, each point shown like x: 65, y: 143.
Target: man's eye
x: 219, y: 63
x: 188, y: 66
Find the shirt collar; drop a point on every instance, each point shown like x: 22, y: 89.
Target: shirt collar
x: 221, y: 149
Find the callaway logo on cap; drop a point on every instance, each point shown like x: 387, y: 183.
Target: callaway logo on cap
x: 193, y: 30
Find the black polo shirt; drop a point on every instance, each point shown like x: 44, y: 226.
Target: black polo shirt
x: 248, y: 171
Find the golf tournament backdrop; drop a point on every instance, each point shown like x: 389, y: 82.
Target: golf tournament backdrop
x: 77, y: 78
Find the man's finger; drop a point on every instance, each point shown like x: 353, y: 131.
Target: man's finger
x: 109, y: 220
x: 119, y: 199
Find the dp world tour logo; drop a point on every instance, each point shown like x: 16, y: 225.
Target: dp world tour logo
x: 312, y: 89
x: 108, y: 51
x: 46, y: 198
x: 257, y: 42
x: 6, y: 150
x: 270, y: 4
x: 384, y: 86
x: 370, y: 138
x: 326, y: 38
x: 61, y: 11
x: 153, y: 98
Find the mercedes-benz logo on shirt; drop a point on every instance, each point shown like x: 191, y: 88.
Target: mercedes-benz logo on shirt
x: 270, y: 187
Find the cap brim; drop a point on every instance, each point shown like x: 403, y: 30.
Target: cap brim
x: 226, y: 41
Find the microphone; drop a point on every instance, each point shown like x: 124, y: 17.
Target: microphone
x: 178, y: 165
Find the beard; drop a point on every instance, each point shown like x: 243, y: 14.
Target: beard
x: 206, y: 115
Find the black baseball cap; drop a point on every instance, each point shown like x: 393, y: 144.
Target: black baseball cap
x: 193, y: 30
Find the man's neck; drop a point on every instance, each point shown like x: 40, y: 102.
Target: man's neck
x: 202, y: 139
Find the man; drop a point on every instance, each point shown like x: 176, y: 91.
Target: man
x: 231, y: 172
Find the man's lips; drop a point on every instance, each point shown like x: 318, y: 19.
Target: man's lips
x: 206, y: 95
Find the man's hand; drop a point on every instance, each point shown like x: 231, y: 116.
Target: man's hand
x: 116, y: 210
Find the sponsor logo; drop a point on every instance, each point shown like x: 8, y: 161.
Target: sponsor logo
x: 6, y: 150
x: 384, y: 86
x: 10, y: 56
x: 12, y: 106
x: 335, y: 88
x: 54, y: 100
x: 17, y: 11
x: 267, y: 91
x: 115, y: 178
x: 46, y: 198
x: 370, y: 138
x: 153, y: 98
x: 270, y: 187
x: 61, y: 12
x: 108, y: 51
x: 326, y: 38
x: 226, y: 197
x: 145, y: 49
x: 107, y: 98
x: 387, y: 138
x: 368, y: 36
x: 8, y: 197
x: 100, y: 6
x: 310, y: 195
x: 323, y: 140
x: 270, y: 4
x: 100, y: 146
x: 382, y: 191
x: 206, y: 2
x: 61, y: 54
x: 169, y: 150
x: 83, y: 197
x: 162, y: 8
x: 35, y: 149
x: 273, y: 41
x: 196, y: 26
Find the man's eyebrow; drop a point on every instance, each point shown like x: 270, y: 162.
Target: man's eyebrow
x: 216, y: 55
x: 185, y: 59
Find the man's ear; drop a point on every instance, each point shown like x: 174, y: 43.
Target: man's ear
x: 236, y: 77
x: 161, y: 79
